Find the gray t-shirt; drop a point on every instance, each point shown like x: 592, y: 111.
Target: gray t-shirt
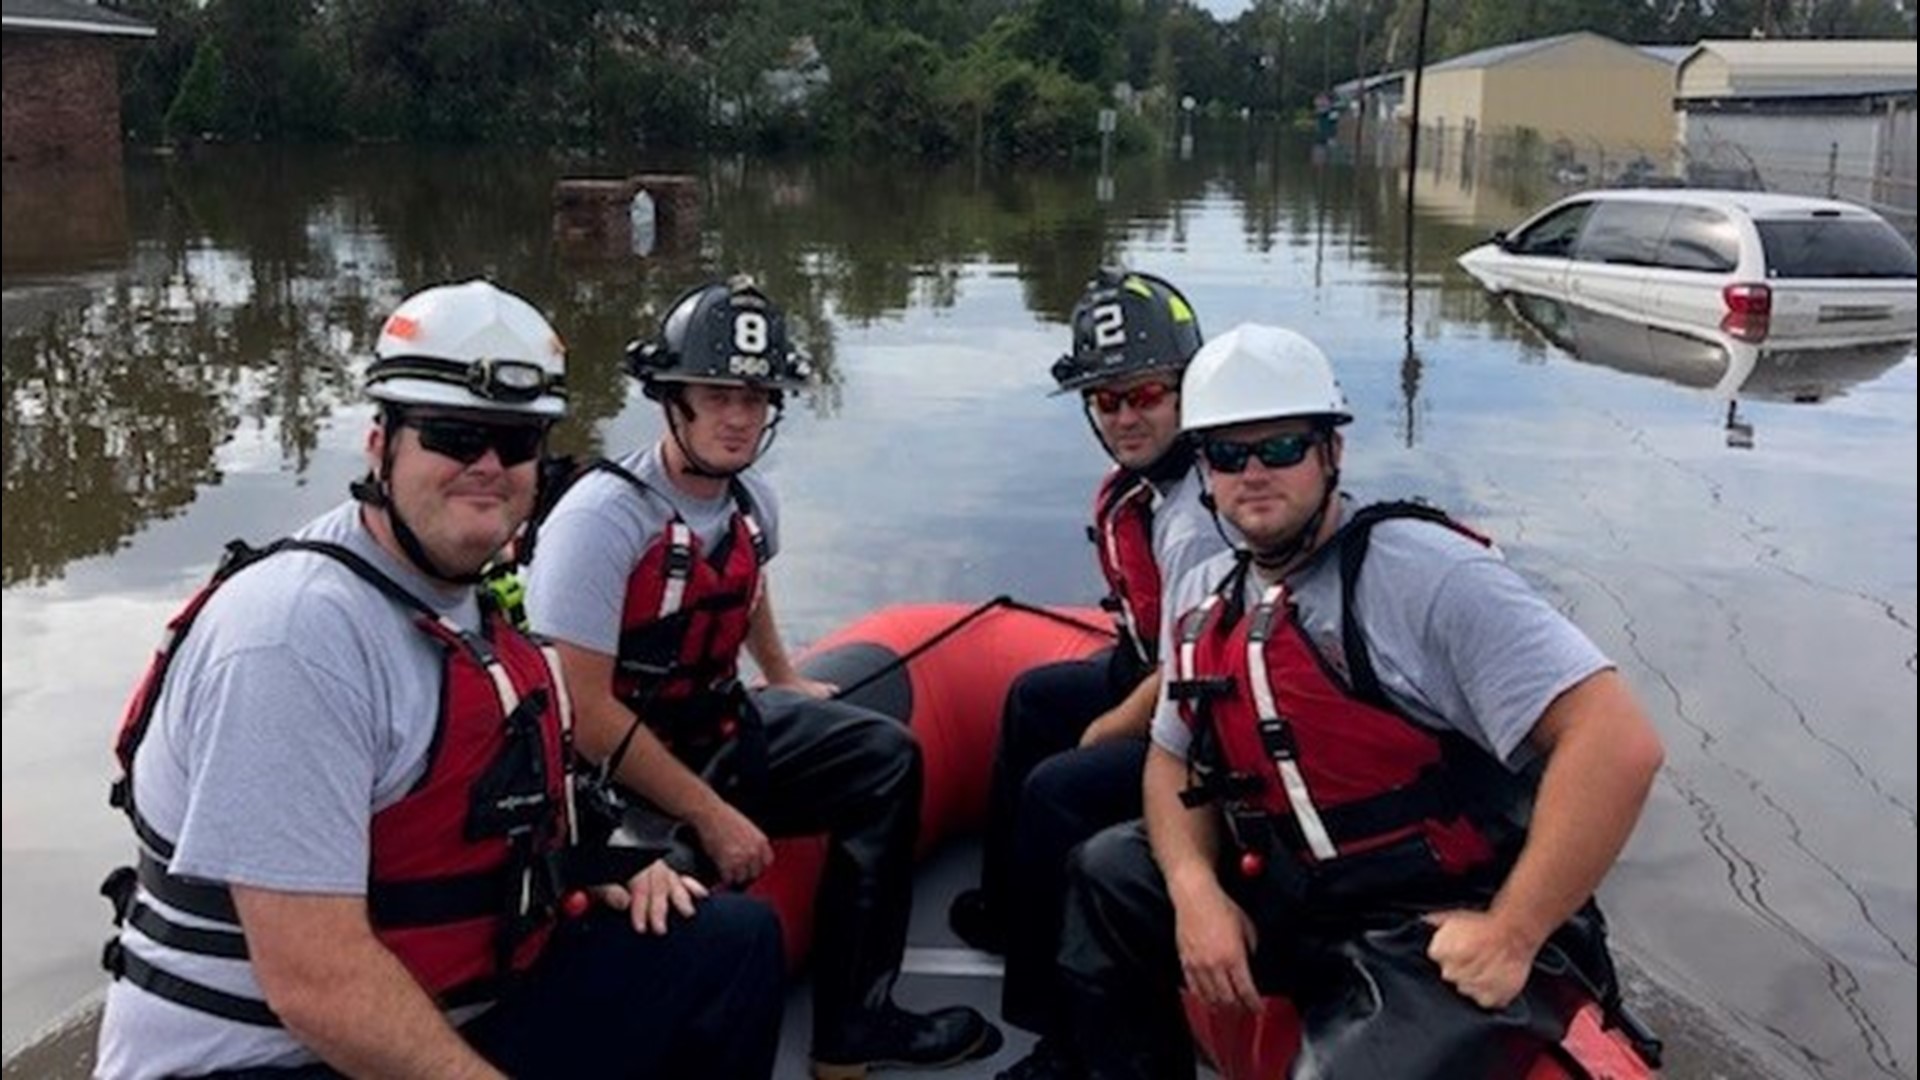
x: 1458, y: 640
x: 596, y: 535
x: 301, y: 702
x: 1184, y: 533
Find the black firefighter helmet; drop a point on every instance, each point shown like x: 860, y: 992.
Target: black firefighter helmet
x: 726, y: 334
x: 1127, y: 324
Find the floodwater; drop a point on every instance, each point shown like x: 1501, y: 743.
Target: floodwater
x: 182, y: 342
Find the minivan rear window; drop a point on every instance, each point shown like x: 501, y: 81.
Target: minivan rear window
x: 1834, y: 247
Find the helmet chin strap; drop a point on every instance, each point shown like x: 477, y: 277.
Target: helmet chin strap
x: 375, y: 491
x: 698, y: 467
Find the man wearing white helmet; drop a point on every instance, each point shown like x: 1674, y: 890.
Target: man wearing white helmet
x: 349, y: 778
x: 650, y: 576
x: 1337, y: 799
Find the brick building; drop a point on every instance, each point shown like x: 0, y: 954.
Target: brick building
x: 61, y: 97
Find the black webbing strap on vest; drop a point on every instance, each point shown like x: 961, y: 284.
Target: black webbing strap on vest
x: 126, y: 964
x: 1352, y: 542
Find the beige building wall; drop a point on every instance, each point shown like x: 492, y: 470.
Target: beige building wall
x: 1452, y: 98
x: 1588, y: 90
x: 1584, y: 90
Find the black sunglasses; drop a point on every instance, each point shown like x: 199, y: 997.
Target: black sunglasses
x: 467, y: 442
x: 1274, y: 451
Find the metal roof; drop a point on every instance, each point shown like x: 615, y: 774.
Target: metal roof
x: 1786, y: 68
x: 69, y: 17
x: 1368, y: 84
x: 1503, y: 54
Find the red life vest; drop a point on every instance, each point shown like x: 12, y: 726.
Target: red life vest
x: 465, y: 868
x: 685, y: 619
x: 1326, y: 770
x: 1122, y: 534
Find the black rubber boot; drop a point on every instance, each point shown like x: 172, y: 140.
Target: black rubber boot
x: 894, y: 1037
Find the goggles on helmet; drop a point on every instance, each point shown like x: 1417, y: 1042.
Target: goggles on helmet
x: 504, y: 381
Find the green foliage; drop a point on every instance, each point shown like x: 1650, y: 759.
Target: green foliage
x: 200, y: 105
x: 151, y: 74
x: 885, y: 94
x: 640, y: 100
x: 1034, y: 111
x: 1019, y: 78
x: 1080, y: 37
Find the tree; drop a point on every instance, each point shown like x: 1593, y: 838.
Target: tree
x: 198, y: 108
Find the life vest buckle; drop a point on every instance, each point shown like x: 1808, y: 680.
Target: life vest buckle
x: 113, y: 957
x: 118, y: 888
x: 679, y: 562
x: 1277, y: 736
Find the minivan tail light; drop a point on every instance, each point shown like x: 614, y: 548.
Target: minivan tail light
x: 1747, y: 298
x: 1752, y: 329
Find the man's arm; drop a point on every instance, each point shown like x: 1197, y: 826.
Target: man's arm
x: 770, y: 653
x: 736, y: 845
x: 1215, y: 937
x: 1130, y: 718
x: 343, y: 994
x: 1601, y: 757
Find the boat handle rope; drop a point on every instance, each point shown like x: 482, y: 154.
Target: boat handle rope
x: 959, y: 624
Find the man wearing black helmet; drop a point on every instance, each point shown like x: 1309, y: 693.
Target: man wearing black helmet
x: 1073, y: 735
x: 349, y: 780
x: 649, y: 575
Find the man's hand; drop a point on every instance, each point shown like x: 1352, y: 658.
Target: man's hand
x: 1485, y: 960
x: 647, y: 895
x: 735, y: 844
x: 1216, y: 940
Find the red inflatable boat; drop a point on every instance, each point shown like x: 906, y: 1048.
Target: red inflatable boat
x: 944, y: 670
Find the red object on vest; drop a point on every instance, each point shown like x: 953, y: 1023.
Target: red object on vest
x: 420, y: 841
x: 1123, y: 536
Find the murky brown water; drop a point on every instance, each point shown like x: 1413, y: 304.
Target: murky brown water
x: 181, y: 344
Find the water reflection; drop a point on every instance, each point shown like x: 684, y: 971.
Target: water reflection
x: 59, y: 219
x: 1730, y: 367
x: 254, y: 277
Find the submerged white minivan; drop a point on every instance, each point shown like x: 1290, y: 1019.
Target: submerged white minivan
x: 1744, y: 261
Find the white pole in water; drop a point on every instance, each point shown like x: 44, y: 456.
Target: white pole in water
x: 1103, y: 184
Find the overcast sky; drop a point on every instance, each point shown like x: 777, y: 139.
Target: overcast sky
x: 1225, y: 10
